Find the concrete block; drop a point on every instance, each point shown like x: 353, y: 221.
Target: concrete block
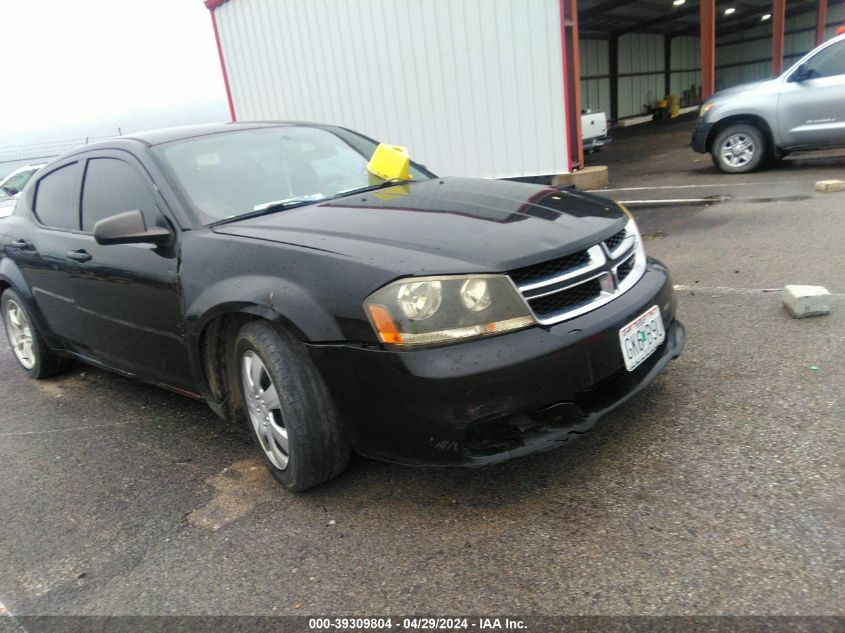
x: 829, y: 186
x: 592, y: 177
x: 806, y: 301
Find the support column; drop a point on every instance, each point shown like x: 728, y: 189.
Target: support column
x: 667, y: 65
x: 821, y: 20
x: 613, y: 63
x: 707, y: 10
x: 572, y: 57
x: 778, y: 20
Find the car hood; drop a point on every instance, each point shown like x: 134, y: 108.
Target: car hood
x: 751, y: 85
x: 493, y: 225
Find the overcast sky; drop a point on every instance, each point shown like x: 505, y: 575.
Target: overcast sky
x: 85, y: 67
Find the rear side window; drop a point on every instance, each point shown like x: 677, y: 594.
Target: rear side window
x: 828, y: 63
x: 54, y: 199
x: 111, y: 187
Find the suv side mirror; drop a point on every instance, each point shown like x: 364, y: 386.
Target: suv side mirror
x: 802, y: 73
x: 129, y: 228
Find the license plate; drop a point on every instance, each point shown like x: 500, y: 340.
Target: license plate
x: 641, y: 337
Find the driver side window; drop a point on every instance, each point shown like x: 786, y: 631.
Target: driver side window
x: 827, y: 63
x: 112, y: 186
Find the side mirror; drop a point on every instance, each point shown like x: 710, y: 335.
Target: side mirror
x: 801, y: 73
x: 129, y: 228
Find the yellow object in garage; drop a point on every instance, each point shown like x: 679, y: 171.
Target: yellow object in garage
x: 674, y: 106
x: 390, y: 162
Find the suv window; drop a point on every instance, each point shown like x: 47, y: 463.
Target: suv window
x: 111, y: 187
x: 54, y: 199
x: 828, y: 63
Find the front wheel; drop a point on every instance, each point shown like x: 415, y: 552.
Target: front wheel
x: 739, y: 149
x: 288, y: 408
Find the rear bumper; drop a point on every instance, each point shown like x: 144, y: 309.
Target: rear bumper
x: 699, y: 137
x: 494, y: 399
x: 595, y: 142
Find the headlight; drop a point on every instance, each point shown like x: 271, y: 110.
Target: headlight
x: 420, y: 299
x: 446, y: 309
x: 640, y: 259
x: 705, y: 108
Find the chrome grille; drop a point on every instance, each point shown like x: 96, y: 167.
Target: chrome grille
x: 551, y: 268
x: 615, y: 240
x: 567, y: 287
x: 565, y: 299
x: 625, y: 269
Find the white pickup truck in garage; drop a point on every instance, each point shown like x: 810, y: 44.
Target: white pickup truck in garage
x: 593, y: 130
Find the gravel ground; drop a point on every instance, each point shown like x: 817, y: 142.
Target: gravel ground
x: 716, y: 491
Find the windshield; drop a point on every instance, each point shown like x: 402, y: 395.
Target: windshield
x: 14, y: 184
x: 243, y: 171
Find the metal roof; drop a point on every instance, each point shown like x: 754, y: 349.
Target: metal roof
x: 605, y: 17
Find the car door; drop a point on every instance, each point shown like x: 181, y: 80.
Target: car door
x: 128, y: 295
x: 42, y: 241
x: 811, y: 104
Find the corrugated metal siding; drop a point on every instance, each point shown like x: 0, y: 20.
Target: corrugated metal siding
x: 595, y: 93
x: 475, y: 86
x: 640, y: 53
x: 686, y: 55
x: 736, y: 48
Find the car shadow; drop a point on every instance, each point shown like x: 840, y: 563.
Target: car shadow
x: 398, y: 491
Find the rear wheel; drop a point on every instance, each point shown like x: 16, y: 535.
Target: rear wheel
x: 288, y: 408
x: 739, y: 149
x: 33, y: 355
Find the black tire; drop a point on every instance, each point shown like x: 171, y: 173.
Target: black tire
x: 318, y: 448
x: 45, y: 362
x: 754, y: 139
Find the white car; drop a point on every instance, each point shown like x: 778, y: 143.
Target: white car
x: 13, y: 184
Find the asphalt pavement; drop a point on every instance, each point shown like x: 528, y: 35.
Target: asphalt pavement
x: 716, y: 491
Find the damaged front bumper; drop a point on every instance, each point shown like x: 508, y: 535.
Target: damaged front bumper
x: 493, y: 399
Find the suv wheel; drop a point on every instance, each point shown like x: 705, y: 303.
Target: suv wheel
x: 739, y: 149
x: 33, y: 355
x: 288, y: 408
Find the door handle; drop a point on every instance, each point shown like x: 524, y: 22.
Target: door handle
x: 80, y: 255
x: 22, y: 244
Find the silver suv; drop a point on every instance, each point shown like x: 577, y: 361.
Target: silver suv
x: 804, y: 108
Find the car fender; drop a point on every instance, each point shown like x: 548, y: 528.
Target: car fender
x: 11, y: 276
x: 757, y: 105
x: 266, y: 296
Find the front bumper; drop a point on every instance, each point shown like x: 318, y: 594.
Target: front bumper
x: 493, y: 399
x: 699, y: 137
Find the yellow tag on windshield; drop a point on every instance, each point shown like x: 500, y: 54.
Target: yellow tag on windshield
x: 390, y: 162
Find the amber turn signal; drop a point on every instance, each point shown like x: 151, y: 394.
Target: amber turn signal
x: 386, y: 328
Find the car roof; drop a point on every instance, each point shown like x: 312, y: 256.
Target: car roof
x: 167, y: 135
x: 150, y: 138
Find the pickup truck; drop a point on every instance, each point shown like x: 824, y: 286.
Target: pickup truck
x: 802, y: 109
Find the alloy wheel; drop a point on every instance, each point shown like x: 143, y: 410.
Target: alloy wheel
x: 737, y: 150
x: 265, y: 410
x: 19, y: 330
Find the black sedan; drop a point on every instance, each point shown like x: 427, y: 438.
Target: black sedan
x: 263, y: 269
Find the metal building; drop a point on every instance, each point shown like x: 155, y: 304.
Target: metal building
x: 635, y: 52
x: 471, y: 87
x: 495, y: 88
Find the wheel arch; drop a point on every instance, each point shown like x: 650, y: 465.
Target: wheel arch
x: 12, y: 278
x: 211, y: 345
x: 750, y: 119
